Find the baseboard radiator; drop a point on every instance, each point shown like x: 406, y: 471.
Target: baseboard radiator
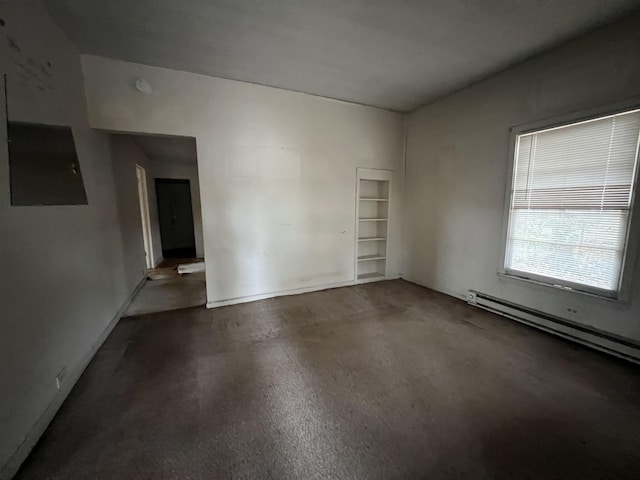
x: 591, y: 337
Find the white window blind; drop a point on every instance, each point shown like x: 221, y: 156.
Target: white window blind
x: 570, y: 203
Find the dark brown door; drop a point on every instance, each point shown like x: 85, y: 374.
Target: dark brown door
x: 175, y: 216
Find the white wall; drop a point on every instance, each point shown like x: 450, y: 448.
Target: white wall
x: 277, y: 171
x: 63, y: 279
x: 457, y: 158
x: 184, y: 171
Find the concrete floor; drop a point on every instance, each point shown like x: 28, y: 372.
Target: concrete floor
x: 183, y: 291
x: 384, y: 380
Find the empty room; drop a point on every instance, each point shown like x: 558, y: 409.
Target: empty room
x: 302, y: 239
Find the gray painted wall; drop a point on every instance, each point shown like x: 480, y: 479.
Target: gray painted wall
x: 457, y: 158
x: 64, y: 277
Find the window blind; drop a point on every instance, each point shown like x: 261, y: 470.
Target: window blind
x: 571, y: 199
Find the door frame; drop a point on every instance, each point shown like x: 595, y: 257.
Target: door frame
x: 145, y: 218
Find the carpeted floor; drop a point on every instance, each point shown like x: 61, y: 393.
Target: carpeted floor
x: 384, y: 380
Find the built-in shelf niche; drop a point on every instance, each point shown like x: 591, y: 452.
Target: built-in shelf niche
x: 372, y: 229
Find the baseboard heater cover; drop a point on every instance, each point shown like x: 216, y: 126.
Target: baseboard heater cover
x: 591, y: 337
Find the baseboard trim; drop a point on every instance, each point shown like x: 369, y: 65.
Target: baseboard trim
x: 580, y: 334
x: 35, y: 432
x: 279, y: 293
x: 583, y: 334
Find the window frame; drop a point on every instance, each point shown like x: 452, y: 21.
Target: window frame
x: 623, y: 292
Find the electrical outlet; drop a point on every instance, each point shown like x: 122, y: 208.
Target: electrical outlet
x: 60, y: 377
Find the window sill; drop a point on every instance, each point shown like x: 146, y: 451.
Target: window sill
x: 510, y: 277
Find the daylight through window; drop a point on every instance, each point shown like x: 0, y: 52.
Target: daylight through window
x: 570, y: 202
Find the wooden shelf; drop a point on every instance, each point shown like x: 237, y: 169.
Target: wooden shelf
x: 373, y: 201
x: 370, y: 277
x: 365, y: 258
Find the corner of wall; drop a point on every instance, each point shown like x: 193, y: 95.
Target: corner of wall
x: 11, y: 467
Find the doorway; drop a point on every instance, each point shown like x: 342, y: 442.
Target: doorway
x: 175, y: 218
x: 169, y: 212
x: 143, y: 199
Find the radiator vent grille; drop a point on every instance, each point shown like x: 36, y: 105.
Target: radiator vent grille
x: 591, y: 337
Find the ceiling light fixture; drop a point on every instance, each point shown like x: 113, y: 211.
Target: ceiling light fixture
x: 143, y: 86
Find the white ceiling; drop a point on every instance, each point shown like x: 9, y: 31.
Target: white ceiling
x: 168, y: 149
x: 395, y: 54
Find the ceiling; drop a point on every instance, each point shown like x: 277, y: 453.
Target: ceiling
x: 168, y: 149
x: 394, y: 54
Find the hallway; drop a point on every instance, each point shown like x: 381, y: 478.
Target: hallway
x: 181, y: 291
x: 165, y: 289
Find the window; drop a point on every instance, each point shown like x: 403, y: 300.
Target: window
x: 571, y: 197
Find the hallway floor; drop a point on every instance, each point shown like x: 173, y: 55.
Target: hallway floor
x: 383, y: 380
x: 181, y: 291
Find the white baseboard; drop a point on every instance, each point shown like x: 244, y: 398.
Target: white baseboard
x: 570, y: 330
x: 280, y: 293
x: 597, y: 340
x: 20, y: 455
